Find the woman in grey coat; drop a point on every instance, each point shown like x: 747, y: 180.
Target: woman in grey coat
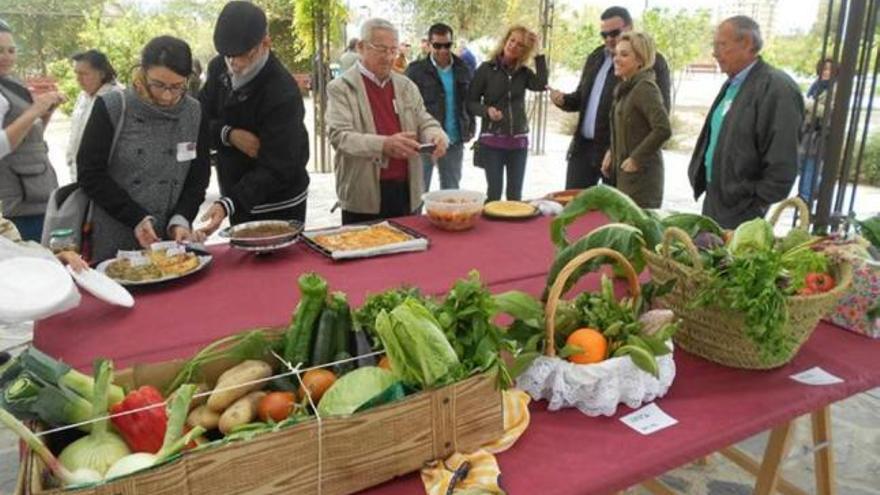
x: 151, y: 185
x: 26, y: 175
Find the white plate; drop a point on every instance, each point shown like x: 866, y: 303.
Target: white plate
x: 203, y: 262
x: 102, y: 287
x: 32, y: 287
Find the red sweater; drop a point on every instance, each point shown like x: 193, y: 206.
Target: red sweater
x: 387, y: 123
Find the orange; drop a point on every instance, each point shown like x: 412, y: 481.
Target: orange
x: 593, y: 344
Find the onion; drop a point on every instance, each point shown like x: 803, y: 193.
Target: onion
x: 101, y: 448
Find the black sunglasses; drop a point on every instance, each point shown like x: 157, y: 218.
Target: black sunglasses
x: 614, y: 33
x: 441, y: 46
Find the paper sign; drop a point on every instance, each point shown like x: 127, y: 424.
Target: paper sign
x: 648, y: 420
x: 135, y: 258
x: 816, y: 376
x: 163, y: 245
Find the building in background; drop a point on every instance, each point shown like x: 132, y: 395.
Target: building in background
x: 762, y: 11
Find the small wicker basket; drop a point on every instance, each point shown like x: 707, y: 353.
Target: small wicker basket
x: 556, y: 289
x: 717, y: 333
x: 595, y: 389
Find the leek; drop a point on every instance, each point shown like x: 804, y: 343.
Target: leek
x: 67, y: 477
x: 35, y: 386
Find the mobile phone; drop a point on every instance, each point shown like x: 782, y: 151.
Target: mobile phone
x: 427, y: 148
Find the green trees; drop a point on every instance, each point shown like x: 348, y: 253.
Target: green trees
x: 682, y: 36
x: 43, y: 29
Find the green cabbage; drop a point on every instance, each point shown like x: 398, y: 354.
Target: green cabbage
x: 751, y: 236
x: 419, y: 352
x: 354, y: 389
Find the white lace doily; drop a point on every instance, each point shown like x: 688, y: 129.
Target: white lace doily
x: 595, y: 389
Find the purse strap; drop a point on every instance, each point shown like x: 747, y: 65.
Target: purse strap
x: 117, y: 131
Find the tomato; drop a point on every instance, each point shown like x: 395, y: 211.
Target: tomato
x: 385, y: 363
x: 819, y: 282
x: 276, y: 406
x: 317, y: 381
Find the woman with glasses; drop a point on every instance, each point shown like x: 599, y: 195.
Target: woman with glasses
x: 26, y: 175
x: 140, y: 160
x: 498, y: 95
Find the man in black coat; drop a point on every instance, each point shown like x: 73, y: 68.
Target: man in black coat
x: 255, y: 123
x: 443, y: 79
x: 592, y: 100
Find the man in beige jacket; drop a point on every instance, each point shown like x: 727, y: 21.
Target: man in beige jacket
x: 378, y: 126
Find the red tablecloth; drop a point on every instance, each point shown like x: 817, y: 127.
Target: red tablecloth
x: 241, y: 290
x: 565, y: 452
x: 561, y: 453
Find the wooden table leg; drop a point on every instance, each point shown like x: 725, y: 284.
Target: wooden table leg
x: 777, y: 447
x: 824, y: 454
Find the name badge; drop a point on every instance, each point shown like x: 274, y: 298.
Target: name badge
x: 186, y: 151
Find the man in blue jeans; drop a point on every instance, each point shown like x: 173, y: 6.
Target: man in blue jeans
x: 443, y: 80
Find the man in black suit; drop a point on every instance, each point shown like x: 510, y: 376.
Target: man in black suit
x: 592, y: 100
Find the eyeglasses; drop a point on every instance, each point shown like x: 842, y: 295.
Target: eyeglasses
x: 384, y: 50
x: 442, y: 46
x: 614, y: 33
x: 160, y: 87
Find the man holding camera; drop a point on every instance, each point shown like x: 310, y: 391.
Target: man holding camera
x: 379, y: 126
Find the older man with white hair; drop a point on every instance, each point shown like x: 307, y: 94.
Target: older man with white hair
x: 746, y: 156
x: 379, y: 125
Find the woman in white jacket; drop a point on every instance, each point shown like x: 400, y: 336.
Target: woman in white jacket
x: 96, y: 77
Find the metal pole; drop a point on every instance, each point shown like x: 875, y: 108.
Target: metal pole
x: 839, y: 117
x: 855, y: 117
x: 869, y: 33
x: 539, y: 120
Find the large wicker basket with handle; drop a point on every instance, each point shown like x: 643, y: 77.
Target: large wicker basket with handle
x: 718, y: 333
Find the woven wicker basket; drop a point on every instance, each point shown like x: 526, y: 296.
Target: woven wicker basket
x: 718, y: 334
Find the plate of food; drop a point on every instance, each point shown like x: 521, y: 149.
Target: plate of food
x: 510, y: 210
x: 164, y: 261
x: 266, y: 234
x: 365, y: 240
x: 563, y: 197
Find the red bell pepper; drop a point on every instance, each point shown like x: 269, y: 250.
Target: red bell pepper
x: 143, y: 431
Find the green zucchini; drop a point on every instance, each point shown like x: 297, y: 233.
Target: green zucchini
x: 325, y: 336
x: 344, y: 323
x: 300, y: 332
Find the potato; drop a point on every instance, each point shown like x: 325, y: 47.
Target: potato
x: 241, y: 412
x: 198, y: 401
x: 245, y: 372
x: 203, y: 416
